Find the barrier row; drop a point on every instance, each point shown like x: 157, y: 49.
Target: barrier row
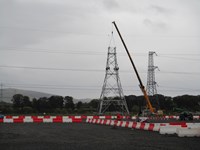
x: 182, y: 129
x: 40, y: 119
x: 19, y: 119
x: 108, y: 117
x: 128, y: 124
x: 135, y: 117
x: 165, y: 117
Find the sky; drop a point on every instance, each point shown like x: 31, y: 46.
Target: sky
x: 60, y: 46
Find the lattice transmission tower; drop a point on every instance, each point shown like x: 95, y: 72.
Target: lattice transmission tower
x: 151, y: 83
x: 112, y: 97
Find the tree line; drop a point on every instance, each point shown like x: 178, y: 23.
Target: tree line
x: 65, y: 105
x: 166, y: 103
x: 46, y: 105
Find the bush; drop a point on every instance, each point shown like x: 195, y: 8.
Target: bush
x: 60, y: 111
x: 27, y: 110
x: 135, y: 109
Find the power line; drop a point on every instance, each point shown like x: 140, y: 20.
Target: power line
x: 180, y: 88
x: 163, y: 36
x: 74, y: 52
x: 97, y: 89
x: 48, y: 85
x: 182, y: 58
x: 51, y: 31
x: 179, y: 54
x: 163, y: 89
x: 28, y: 50
x: 95, y: 34
x: 90, y: 70
x: 83, y: 86
x: 58, y: 88
x: 46, y: 50
x: 180, y: 73
x: 46, y: 68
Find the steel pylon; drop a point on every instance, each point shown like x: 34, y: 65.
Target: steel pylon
x: 151, y: 83
x: 112, y: 98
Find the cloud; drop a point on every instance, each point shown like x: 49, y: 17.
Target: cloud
x: 160, y: 9
x: 155, y: 25
x: 111, y: 4
x: 29, y: 22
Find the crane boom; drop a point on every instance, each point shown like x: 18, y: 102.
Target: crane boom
x: 135, y: 69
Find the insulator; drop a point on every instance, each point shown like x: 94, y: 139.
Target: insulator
x: 107, y: 68
x: 116, y: 68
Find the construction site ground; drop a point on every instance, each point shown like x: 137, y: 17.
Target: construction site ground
x: 76, y: 136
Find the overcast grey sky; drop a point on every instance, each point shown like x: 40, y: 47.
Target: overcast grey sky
x: 60, y: 46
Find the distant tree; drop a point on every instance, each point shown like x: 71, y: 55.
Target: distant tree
x: 168, y: 103
x: 55, y: 102
x: 35, y: 105
x: 135, y: 109
x: 157, y: 101
x: 131, y: 100
x: 79, y: 105
x: 94, y: 103
x: 160, y: 101
x: 69, y: 104
x: 187, y: 102
x: 27, y: 110
x: 5, y: 107
x: 42, y: 104
x: 26, y: 101
x: 18, y: 101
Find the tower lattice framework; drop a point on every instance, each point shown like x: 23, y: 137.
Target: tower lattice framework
x: 112, y: 94
x: 151, y: 83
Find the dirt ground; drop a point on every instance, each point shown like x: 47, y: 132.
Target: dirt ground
x: 60, y: 136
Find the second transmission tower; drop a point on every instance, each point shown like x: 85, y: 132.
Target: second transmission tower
x: 151, y: 83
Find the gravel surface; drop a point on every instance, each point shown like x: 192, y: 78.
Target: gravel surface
x: 50, y: 136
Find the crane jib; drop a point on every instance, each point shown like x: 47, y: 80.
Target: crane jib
x: 135, y: 69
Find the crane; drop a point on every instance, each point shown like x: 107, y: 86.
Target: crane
x: 136, y: 72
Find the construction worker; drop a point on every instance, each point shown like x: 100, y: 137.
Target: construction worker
x: 116, y: 121
x: 118, y: 116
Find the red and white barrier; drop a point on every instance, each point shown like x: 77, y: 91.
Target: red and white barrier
x: 107, y: 117
x: 188, y: 132
x: 164, y: 117
x: 127, y: 124
x: 41, y: 119
x: 180, y: 128
x: 170, y: 129
x: 49, y: 119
